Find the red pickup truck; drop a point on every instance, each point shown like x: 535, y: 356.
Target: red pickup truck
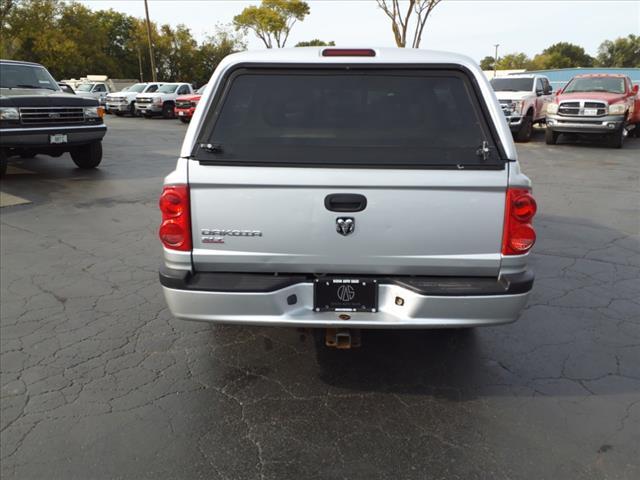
x: 602, y: 104
x: 186, y: 105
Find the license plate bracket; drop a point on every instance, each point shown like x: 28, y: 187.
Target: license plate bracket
x: 345, y: 295
x: 58, y: 138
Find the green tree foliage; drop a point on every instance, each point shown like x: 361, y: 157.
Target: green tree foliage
x: 73, y: 41
x: 316, y: 43
x: 621, y: 52
x: 487, y: 63
x: 562, y: 55
x: 272, y: 20
x: 511, y: 61
x: 213, y: 50
x: 514, y: 61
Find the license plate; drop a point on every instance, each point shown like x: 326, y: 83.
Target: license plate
x: 58, y: 138
x: 181, y: 114
x: 345, y: 295
x: 591, y: 111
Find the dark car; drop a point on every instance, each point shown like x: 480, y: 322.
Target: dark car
x: 37, y: 117
x: 66, y: 88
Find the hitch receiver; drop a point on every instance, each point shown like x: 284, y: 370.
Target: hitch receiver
x: 342, y: 338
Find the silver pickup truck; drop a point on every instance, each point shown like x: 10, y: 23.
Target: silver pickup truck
x: 347, y: 188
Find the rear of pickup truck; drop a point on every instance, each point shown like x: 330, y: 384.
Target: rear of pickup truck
x: 352, y: 189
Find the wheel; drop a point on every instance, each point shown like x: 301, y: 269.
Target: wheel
x: 118, y: 114
x: 184, y: 120
x: 3, y: 163
x: 132, y: 109
x: 147, y: 115
x: 526, y: 128
x: 87, y: 156
x: 167, y: 110
x: 27, y: 154
x: 550, y: 137
x: 616, y: 139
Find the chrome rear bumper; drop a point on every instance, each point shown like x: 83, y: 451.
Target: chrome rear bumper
x: 292, y: 306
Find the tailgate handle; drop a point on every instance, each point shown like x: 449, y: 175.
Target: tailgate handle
x: 345, y: 202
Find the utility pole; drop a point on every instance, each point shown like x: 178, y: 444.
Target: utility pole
x: 140, y: 64
x: 153, y: 62
x: 495, y: 59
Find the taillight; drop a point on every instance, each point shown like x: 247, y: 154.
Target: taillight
x: 175, y: 229
x: 518, y: 236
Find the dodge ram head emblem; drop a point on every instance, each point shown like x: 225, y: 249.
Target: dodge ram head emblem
x: 345, y: 225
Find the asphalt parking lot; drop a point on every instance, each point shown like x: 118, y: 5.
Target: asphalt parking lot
x: 99, y: 381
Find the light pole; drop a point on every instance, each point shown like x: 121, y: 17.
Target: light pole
x: 495, y: 60
x: 153, y: 62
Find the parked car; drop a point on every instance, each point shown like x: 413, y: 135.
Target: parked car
x: 37, y: 117
x: 124, y: 102
x: 523, y: 99
x: 596, y: 104
x: 347, y: 188
x: 186, y: 105
x: 66, y: 88
x: 162, y: 101
x: 97, y: 90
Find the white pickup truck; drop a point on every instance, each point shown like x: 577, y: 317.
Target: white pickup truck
x: 162, y: 101
x: 524, y: 100
x: 95, y: 90
x: 125, y: 101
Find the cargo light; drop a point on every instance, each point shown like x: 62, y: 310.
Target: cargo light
x: 348, y: 52
x: 175, y: 229
x: 518, y: 235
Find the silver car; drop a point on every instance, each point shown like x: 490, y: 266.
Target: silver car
x: 347, y: 188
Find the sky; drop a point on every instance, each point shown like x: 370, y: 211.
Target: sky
x: 470, y: 27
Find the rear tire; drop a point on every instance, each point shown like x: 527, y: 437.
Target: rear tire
x: 167, y: 110
x: 184, y: 120
x: 87, y: 156
x: 526, y: 128
x: 551, y: 137
x: 616, y: 139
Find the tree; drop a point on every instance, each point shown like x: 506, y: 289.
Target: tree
x: 562, y: 55
x: 621, y: 52
x: 272, y: 21
x: 487, y: 63
x: 316, y: 43
x: 213, y: 50
x: 514, y: 61
x: 402, y: 24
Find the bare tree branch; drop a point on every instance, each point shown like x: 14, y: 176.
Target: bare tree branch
x: 402, y: 21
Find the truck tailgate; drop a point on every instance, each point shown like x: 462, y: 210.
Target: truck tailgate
x: 426, y: 222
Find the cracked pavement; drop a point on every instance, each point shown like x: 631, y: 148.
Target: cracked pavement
x: 99, y: 381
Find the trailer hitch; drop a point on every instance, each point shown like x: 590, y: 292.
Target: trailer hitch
x: 342, y: 338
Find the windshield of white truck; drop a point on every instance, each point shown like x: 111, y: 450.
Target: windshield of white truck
x: 348, y: 117
x: 85, y: 87
x: 168, y: 88
x: 512, y: 84
x: 595, y: 84
x: 138, y: 87
x: 26, y: 76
